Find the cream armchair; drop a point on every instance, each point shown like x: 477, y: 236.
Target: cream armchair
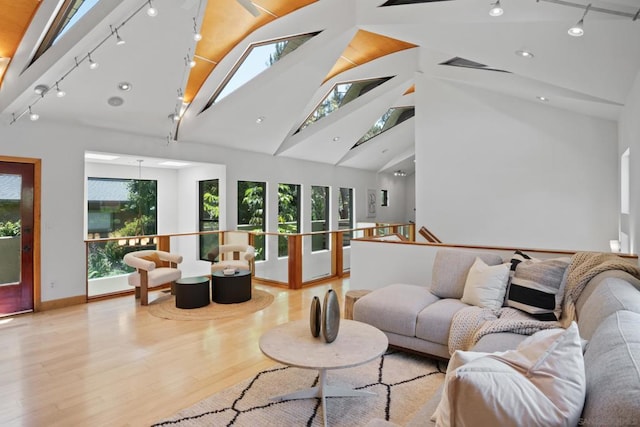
x: 151, y: 271
x: 240, y: 257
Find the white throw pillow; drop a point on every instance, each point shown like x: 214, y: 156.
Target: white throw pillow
x: 541, y: 383
x: 486, y: 285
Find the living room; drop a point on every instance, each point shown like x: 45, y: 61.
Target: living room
x: 489, y: 164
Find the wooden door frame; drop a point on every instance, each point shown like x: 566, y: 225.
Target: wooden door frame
x: 37, y: 181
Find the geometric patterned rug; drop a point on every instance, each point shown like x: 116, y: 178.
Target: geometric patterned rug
x: 402, y: 383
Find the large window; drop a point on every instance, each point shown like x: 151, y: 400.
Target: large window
x: 257, y: 58
x: 209, y: 215
x: 345, y: 213
x: 319, y: 217
x: 393, y: 117
x: 251, y: 212
x: 341, y: 94
x: 288, y: 214
x: 119, y: 208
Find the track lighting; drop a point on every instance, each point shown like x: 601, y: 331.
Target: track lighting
x: 59, y: 92
x: 196, y: 35
x: 399, y: 173
x: 41, y: 90
x: 33, y: 116
x: 496, y: 9
x: 578, y: 29
x: 92, y: 64
x: 152, y: 11
x: 119, y: 40
x: 192, y: 63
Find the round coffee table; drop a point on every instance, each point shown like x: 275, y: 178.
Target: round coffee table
x: 292, y: 344
x: 231, y: 289
x: 192, y: 292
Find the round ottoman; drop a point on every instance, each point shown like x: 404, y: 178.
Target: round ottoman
x: 192, y: 292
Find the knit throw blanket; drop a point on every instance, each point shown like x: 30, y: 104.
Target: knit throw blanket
x: 472, y: 323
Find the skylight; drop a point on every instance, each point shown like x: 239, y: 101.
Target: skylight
x: 393, y: 117
x: 70, y: 13
x: 341, y: 94
x: 255, y: 60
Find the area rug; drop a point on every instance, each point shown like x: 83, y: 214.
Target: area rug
x: 402, y: 383
x: 165, y: 307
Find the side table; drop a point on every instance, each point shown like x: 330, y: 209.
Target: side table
x: 231, y: 289
x: 192, y: 292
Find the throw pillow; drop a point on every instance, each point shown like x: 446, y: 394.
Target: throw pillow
x: 540, y: 383
x: 153, y: 257
x: 486, y: 285
x: 537, y: 287
x: 450, y: 268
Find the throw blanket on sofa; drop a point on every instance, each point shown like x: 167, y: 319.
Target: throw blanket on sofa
x: 472, y: 323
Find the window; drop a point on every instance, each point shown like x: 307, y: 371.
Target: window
x: 288, y: 214
x: 341, y: 94
x: 345, y: 213
x: 319, y: 217
x: 69, y: 14
x: 209, y: 215
x: 251, y: 212
x: 393, y: 117
x: 384, y: 198
x: 256, y: 59
x: 119, y: 207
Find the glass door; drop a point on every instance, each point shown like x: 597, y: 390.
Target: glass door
x: 16, y: 237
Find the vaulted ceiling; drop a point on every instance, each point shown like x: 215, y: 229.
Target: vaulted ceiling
x: 356, y: 40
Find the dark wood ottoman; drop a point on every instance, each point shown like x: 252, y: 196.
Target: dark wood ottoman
x: 231, y: 289
x: 192, y: 292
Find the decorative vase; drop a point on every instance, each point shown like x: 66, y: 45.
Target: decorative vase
x: 330, y: 316
x: 315, y: 317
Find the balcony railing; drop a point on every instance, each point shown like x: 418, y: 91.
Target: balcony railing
x: 305, y: 264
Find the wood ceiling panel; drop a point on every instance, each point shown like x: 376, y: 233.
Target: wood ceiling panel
x: 224, y: 25
x: 364, y: 47
x: 16, y: 16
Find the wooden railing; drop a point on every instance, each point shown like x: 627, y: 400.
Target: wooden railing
x: 424, y: 232
x: 295, y: 248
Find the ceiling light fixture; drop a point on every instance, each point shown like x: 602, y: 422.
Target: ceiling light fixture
x: 578, y: 29
x: 174, y: 117
x: 336, y: 138
x: 496, y: 9
x: 33, y: 116
x: 260, y: 119
x: 192, y: 63
x: 542, y: 98
x: 399, y: 173
x: 125, y: 86
x: 119, y: 40
x: 92, y: 64
x: 41, y: 90
x: 196, y: 35
x: 524, y: 53
x: 59, y: 92
x: 152, y: 11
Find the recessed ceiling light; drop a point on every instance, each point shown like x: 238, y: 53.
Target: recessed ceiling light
x: 126, y: 86
x: 542, y: 98
x: 96, y: 156
x: 260, y: 119
x: 524, y: 53
x: 115, y: 101
x: 336, y: 138
x: 173, y: 163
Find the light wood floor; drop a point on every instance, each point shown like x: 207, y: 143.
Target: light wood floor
x: 111, y: 363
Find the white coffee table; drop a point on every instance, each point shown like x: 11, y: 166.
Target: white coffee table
x: 292, y: 344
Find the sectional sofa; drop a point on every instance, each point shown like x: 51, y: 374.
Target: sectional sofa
x: 605, y: 321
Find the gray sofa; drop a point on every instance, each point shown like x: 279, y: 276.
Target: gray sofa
x: 417, y: 318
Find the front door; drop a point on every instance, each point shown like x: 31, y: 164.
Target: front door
x: 16, y: 237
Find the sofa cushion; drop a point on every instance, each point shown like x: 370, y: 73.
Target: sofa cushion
x: 486, y: 285
x: 434, y: 320
x: 542, y: 383
x: 612, y: 363
x: 393, y: 308
x: 450, y: 269
x: 501, y: 341
x: 537, y: 287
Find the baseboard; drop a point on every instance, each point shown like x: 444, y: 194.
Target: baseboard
x: 63, y: 302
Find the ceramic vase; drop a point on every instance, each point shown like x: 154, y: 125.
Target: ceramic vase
x: 315, y: 317
x: 330, y: 316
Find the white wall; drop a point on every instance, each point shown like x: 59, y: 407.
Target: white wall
x: 629, y: 129
x: 61, y: 148
x: 517, y: 173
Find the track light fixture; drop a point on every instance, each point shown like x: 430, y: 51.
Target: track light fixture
x: 59, y: 92
x: 119, y: 40
x: 92, y: 64
x: 578, y: 29
x: 496, y: 9
x: 41, y: 90
x: 399, y: 173
x: 152, y: 11
x: 196, y: 35
x: 33, y: 116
